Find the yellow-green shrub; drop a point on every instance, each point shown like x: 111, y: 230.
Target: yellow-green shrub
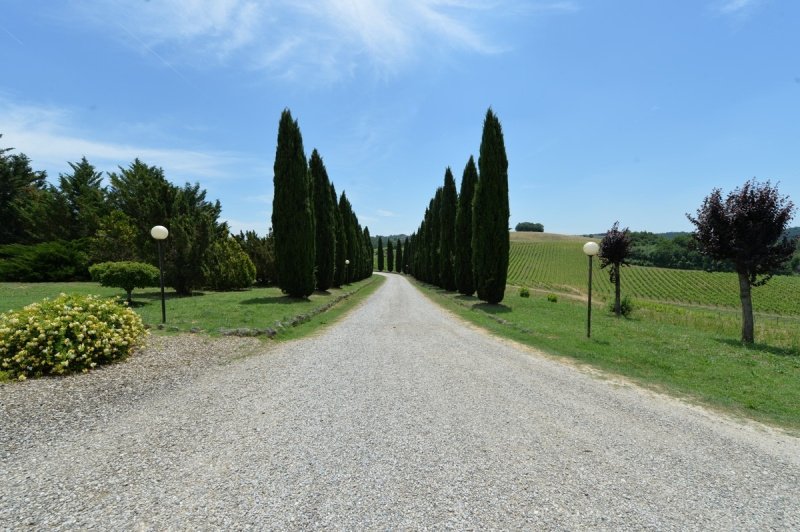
x: 67, y: 334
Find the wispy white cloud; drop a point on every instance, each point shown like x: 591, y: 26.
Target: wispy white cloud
x: 386, y: 214
x: 44, y: 135
x: 736, y: 6
x: 323, y: 40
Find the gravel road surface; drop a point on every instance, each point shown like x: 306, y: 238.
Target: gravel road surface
x: 398, y: 417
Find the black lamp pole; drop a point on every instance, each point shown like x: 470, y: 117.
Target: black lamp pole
x: 161, y: 270
x: 589, y: 311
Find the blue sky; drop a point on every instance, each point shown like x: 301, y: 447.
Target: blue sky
x: 629, y: 110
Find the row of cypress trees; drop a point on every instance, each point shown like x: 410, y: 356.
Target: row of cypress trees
x: 318, y: 240
x: 462, y: 243
x: 396, y: 259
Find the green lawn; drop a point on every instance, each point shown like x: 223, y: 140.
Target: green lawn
x: 693, y: 353
x: 256, y: 308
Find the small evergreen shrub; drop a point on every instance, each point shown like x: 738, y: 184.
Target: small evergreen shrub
x: 524, y: 292
x: 65, y: 335
x: 626, y: 306
x: 125, y: 275
x: 227, y: 266
x: 552, y: 298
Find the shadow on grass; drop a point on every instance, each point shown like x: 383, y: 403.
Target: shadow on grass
x: 462, y: 297
x: 167, y: 295
x: 765, y: 348
x: 273, y: 300
x: 492, y: 309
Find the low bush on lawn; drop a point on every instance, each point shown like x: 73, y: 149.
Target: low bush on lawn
x: 65, y: 335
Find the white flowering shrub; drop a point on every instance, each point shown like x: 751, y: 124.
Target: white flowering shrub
x: 67, y: 334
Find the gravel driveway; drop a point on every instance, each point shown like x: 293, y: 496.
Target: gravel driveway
x: 398, y: 417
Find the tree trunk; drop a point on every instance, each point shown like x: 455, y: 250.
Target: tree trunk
x: 747, y: 308
x: 617, y: 299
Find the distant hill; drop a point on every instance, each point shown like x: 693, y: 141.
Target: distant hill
x: 793, y: 232
x: 393, y: 238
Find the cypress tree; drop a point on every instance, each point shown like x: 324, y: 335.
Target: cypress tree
x: 435, y: 254
x: 324, y: 223
x: 447, y: 239
x: 349, y: 230
x: 292, y: 214
x: 369, y: 252
x: 389, y: 256
x: 339, y: 274
x: 490, y: 215
x: 408, y: 255
x: 380, y: 254
x: 463, y: 259
x: 398, y: 257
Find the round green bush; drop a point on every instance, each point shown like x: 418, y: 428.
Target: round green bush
x: 126, y: 275
x: 626, y: 306
x: 227, y: 266
x: 524, y: 292
x: 65, y: 335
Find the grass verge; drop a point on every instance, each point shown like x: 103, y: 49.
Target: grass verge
x: 246, y: 311
x: 690, y: 357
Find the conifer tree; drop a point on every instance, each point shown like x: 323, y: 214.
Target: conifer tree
x: 490, y: 214
x: 398, y: 257
x: 447, y: 239
x: 389, y: 256
x: 339, y: 274
x: 463, y: 259
x: 408, y: 255
x: 292, y: 212
x: 369, y: 252
x: 324, y: 223
x: 380, y: 254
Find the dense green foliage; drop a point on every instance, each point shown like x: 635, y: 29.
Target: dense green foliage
x: 47, y: 261
x: 614, y: 250
x: 390, y: 256
x: 292, y: 212
x: 490, y: 244
x: 68, y: 334
x: 407, y: 254
x: 261, y: 251
x: 447, y: 239
x: 398, y: 257
x: 324, y: 223
x: 380, y: 254
x: 227, y: 266
x: 529, y: 226
x: 748, y: 230
x: 126, y: 275
x: 25, y: 201
x: 463, y: 233
x: 340, y: 273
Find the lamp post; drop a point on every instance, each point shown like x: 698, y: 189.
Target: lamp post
x: 347, y: 271
x: 160, y: 232
x: 591, y: 249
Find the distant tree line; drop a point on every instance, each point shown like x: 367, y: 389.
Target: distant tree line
x: 318, y: 241
x: 462, y: 243
x: 396, y: 256
x: 529, y: 226
x: 54, y: 232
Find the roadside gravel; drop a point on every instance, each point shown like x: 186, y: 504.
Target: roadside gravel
x: 399, y: 416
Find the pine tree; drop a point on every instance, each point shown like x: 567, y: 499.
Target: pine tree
x: 447, y: 239
x: 389, y: 256
x: 380, y: 254
x: 463, y: 260
x: 324, y: 223
x: 398, y: 257
x: 292, y: 212
x: 490, y: 214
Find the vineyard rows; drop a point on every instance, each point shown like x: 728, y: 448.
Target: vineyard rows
x: 561, y: 266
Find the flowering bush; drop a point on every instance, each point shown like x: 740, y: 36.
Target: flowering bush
x: 67, y: 334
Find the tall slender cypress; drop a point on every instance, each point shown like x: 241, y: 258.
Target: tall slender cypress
x: 324, y: 223
x: 463, y: 260
x: 398, y: 257
x: 339, y: 274
x: 490, y: 214
x: 408, y: 255
x: 380, y: 254
x: 389, y: 256
x: 447, y: 239
x: 292, y: 212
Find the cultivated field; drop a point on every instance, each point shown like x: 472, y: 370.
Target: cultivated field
x: 557, y: 263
